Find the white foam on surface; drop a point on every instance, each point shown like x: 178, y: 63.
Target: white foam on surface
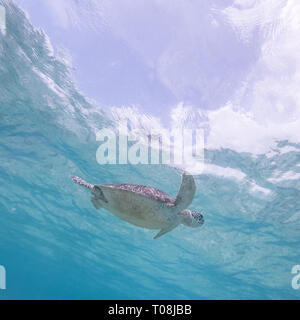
x: 282, y: 176
x: 258, y: 189
x: 265, y: 105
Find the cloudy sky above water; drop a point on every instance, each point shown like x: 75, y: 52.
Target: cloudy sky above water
x: 230, y: 66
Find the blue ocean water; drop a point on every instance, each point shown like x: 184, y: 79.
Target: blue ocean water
x: 55, y: 245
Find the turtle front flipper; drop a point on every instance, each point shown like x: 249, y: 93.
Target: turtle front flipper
x: 186, y: 192
x: 165, y: 230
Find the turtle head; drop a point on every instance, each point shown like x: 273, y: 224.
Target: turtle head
x: 191, y: 218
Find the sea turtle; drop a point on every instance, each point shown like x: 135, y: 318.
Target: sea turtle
x: 145, y: 206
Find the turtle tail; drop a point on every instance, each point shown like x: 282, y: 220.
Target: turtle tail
x: 82, y: 182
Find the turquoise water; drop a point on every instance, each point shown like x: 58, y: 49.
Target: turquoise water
x: 55, y: 245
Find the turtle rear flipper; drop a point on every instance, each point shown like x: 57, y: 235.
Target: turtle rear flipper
x: 96, y: 203
x: 82, y: 182
x: 97, y: 197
